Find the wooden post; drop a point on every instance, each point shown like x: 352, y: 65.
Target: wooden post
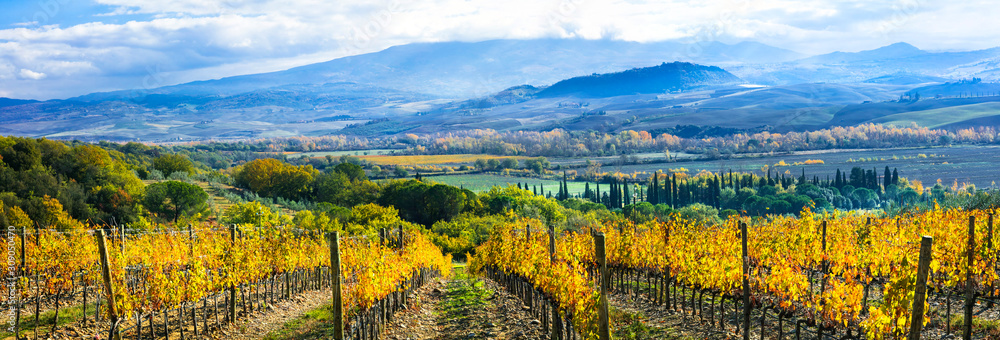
x: 557, y: 325
x: 335, y: 282
x: 970, y: 296
x: 191, y: 240
x: 603, y: 330
x: 102, y: 248
x: 823, y: 265
x: 746, y: 283
x: 232, y: 287
x: 401, y: 244
x: 920, y: 292
x: 552, y: 244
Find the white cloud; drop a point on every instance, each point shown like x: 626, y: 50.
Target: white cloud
x: 29, y: 74
x: 197, y: 39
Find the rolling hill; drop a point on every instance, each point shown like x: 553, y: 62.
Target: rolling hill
x: 604, y: 85
x: 673, y: 77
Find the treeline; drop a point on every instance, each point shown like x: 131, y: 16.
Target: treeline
x: 52, y: 184
x: 561, y: 143
x: 751, y: 194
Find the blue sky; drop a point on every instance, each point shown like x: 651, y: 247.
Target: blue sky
x: 63, y: 48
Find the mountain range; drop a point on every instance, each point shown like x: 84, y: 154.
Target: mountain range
x: 532, y: 84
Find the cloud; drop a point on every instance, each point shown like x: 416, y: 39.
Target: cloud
x: 198, y: 39
x: 29, y: 74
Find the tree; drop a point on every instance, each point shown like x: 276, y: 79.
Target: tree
x: 401, y: 172
x: 538, y: 165
x: 175, y: 198
x: 170, y: 163
x: 508, y: 163
x: 353, y: 172
x: 271, y: 178
x: 493, y: 164
x: 480, y: 164
x: 887, y: 178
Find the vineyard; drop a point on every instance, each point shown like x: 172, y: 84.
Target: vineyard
x: 164, y: 284
x: 839, y: 276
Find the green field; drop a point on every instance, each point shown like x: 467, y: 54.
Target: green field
x: 481, y: 182
x: 966, y: 164
x: 971, y: 164
x: 937, y: 118
x: 340, y: 153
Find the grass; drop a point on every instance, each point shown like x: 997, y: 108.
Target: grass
x: 465, y: 292
x: 338, y: 153
x: 431, y: 159
x: 978, y: 325
x: 67, y: 315
x: 629, y: 326
x: 314, y: 324
x: 939, y: 117
x: 483, y: 182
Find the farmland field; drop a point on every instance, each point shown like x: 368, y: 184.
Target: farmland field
x: 975, y: 165
x: 483, y: 182
x: 467, y: 159
x: 339, y: 153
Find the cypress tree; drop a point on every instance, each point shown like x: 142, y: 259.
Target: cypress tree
x: 887, y: 178
x: 895, y: 176
x: 654, y: 198
x: 718, y: 192
x: 586, y: 191
x: 627, y: 195
x: 535, y: 190
x: 836, y: 182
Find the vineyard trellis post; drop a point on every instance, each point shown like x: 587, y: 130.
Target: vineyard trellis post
x: 824, y: 274
x: 231, y: 309
x: 970, y: 296
x: 557, y: 325
x: 335, y: 283
x: 401, y: 243
x: 102, y: 248
x: 604, y: 332
x: 920, y: 291
x: 746, y: 282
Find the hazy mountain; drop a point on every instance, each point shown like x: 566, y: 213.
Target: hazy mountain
x: 903, y: 78
x: 894, y: 51
x: 472, y: 69
x: 574, y: 83
x: 12, y: 102
x: 672, y: 77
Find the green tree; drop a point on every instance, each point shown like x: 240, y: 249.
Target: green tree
x: 400, y: 172
x: 508, y: 163
x: 271, y: 178
x: 353, y: 172
x: 170, y: 163
x: 174, y: 198
x: 538, y: 165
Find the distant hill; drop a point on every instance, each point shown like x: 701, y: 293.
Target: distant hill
x: 894, y: 51
x: 12, y: 102
x: 604, y: 85
x: 676, y: 76
x: 471, y: 69
x: 906, y: 79
x: 959, y: 89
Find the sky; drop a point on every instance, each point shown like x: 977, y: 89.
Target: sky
x: 63, y: 48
